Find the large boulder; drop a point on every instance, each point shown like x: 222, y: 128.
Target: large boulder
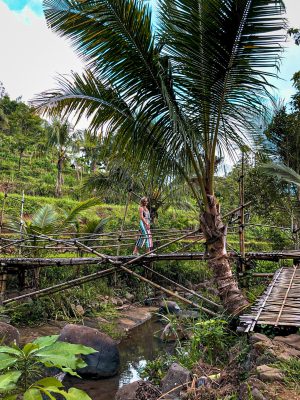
x: 177, y: 376
x: 9, y: 334
x: 280, y: 348
x: 105, y: 362
x: 254, y: 389
x: 139, y: 390
x: 290, y: 340
x: 269, y: 374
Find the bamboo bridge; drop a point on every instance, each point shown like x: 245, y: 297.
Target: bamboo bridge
x: 280, y: 304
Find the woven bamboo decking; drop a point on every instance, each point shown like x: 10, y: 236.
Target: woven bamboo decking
x: 280, y: 303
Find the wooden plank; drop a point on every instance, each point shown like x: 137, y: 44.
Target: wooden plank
x: 279, y: 304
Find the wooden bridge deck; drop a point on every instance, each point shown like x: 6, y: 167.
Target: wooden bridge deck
x: 280, y: 303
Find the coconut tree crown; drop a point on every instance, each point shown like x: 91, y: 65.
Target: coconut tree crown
x: 178, y: 94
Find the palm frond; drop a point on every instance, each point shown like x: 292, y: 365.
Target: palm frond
x: 176, y: 99
x: 284, y: 173
x: 44, y: 220
x: 82, y: 206
x: 95, y: 226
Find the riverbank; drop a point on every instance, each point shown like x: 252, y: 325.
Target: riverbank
x: 129, y: 317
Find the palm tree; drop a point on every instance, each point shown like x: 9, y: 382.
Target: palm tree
x: 118, y: 178
x: 88, y: 145
x: 3, y: 120
x: 59, y: 137
x: 176, y: 96
x: 48, y: 220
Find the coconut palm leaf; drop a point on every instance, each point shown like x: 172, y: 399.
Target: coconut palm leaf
x: 59, y: 133
x: 180, y: 97
x: 94, y: 226
x: 83, y: 206
x: 283, y: 172
x: 45, y: 221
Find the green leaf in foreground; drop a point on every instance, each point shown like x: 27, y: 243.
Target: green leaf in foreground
x: 8, y: 381
x: 10, y: 350
x: 45, y: 341
x: 6, y: 360
x: 32, y: 394
x: 49, y: 381
x: 77, y: 394
x: 62, y: 354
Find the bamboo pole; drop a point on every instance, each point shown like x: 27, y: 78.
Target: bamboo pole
x: 3, y: 275
x: 286, y: 295
x: 242, y: 216
x: 124, y: 268
x: 237, y: 209
x: 123, y: 221
x: 3, y: 279
x: 263, y: 275
x: 2, y: 210
x: 21, y: 219
x: 64, y: 285
x: 183, y: 287
x: 169, y: 292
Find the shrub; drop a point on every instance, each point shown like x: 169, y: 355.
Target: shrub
x: 22, y: 367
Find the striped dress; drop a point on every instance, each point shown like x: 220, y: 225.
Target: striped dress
x: 145, y: 237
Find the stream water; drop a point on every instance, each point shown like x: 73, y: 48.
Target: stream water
x: 140, y: 346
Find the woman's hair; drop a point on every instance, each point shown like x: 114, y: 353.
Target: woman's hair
x: 143, y: 201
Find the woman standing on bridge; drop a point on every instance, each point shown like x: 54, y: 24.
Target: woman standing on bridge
x: 145, y: 233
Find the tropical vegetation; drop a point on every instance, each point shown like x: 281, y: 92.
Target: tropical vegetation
x: 178, y: 96
x: 22, y: 370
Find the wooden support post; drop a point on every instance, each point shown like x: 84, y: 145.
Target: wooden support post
x: 185, y: 289
x: 121, y: 230
x: 242, y: 216
x: 21, y: 220
x: 21, y: 279
x: 2, y: 210
x: 3, y: 278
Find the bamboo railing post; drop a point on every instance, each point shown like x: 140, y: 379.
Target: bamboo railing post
x: 21, y: 219
x: 242, y: 217
x: 122, y: 228
x: 3, y: 278
x: 2, y: 209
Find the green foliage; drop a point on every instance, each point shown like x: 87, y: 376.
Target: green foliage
x: 291, y: 370
x: 209, y: 341
x: 27, y: 161
x: 155, y: 370
x: 62, y: 305
x: 30, y: 314
x: 22, y: 366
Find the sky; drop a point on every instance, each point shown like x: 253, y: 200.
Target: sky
x: 32, y: 55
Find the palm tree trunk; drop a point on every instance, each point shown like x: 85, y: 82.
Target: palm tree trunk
x: 59, y: 180
x: 214, y: 231
x: 20, y: 159
x: 93, y: 166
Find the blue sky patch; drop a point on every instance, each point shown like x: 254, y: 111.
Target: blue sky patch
x: 18, y: 5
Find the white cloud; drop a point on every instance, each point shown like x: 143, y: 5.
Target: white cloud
x: 293, y: 12
x: 31, y: 54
